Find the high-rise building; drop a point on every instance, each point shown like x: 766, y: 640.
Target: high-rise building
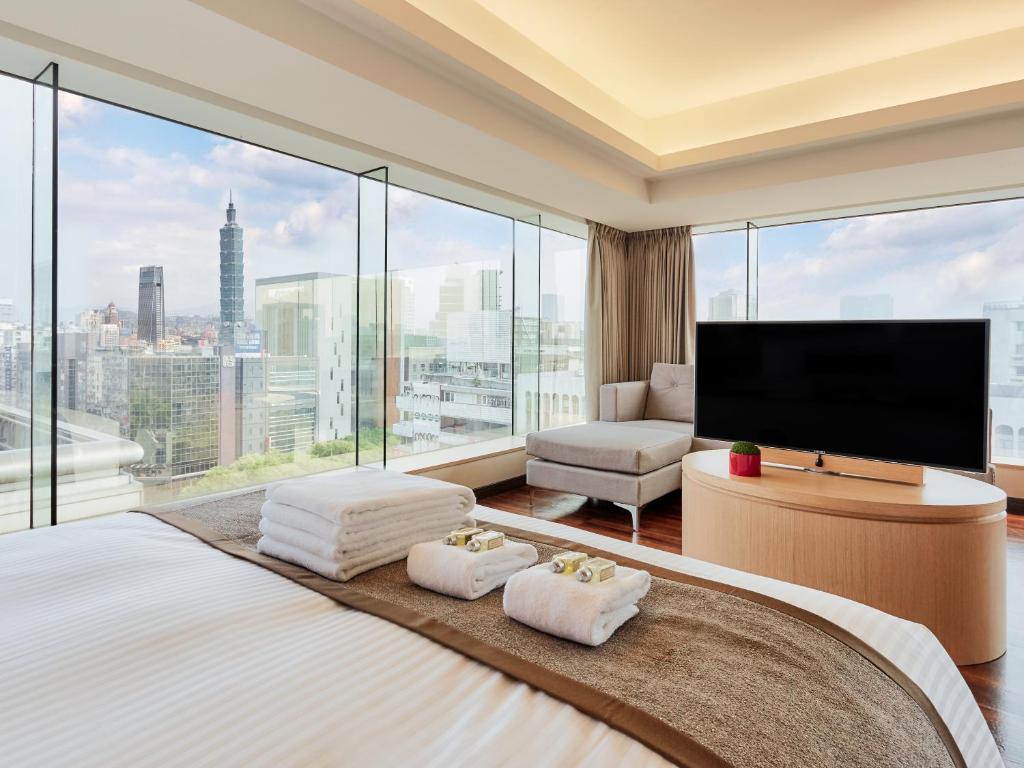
x: 232, y: 288
x: 1006, y: 341
x: 6, y: 310
x: 877, y: 306
x: 151, y: 304
x: 725, y: 305
x: 111, y: 316
x: 307, y: 326
x: 552, y: 307
x: 108, y: 335
x: 173, y: 411
x: 489, y: 283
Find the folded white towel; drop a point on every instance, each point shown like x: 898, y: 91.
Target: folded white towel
x: 351, y: 552
x: 587, y: 613
x: 457, y: 572
x: 450, y: 515
x: 335, y: 570
x: 354, y: 497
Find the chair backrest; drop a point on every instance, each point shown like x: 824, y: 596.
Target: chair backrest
x: 670, y: 395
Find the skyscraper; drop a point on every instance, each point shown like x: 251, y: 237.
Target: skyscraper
x: 111, y: 316
x: 552, y: 307
x: 151, y: 304
x: 232, y: 291
x: 726, y: 305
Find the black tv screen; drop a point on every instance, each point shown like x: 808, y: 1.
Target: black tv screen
x: 913, y: 391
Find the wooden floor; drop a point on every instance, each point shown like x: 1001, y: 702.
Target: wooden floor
x: 998, y: 686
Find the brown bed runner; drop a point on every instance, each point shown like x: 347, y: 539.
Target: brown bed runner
x: 706, y: 675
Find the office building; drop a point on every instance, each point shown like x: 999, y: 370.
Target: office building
x: 232, y: 280
x: 151, y: 304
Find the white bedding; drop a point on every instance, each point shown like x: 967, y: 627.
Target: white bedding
x: 125, y: 642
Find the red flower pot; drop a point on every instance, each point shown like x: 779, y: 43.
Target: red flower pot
x: 745, y: 464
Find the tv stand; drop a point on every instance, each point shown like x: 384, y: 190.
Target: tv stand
x: 822, y: 463
x: 933, y: 553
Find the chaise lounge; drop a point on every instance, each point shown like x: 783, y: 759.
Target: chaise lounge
x: 632, y: 455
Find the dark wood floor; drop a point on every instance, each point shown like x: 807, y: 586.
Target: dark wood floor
x: 998, y: 686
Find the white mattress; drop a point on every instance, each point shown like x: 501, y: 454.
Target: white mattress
x: 124, y: 641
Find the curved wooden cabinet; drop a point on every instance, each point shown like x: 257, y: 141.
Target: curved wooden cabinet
x: 934, y: 554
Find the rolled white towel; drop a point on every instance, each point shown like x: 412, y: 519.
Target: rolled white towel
x: 335, y: 570
x: 355, y: 551
x: 457, y: 572
x: 587, y: 613
x: 352, y: 497
x: 424, y: 517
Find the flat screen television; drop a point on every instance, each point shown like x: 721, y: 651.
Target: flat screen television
x: 912, y: 391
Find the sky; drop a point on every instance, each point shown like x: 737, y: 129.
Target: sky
x: 935, y: 263
x: 136, y: 190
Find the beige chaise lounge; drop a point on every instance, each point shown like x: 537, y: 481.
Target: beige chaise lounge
x: 631, y: 456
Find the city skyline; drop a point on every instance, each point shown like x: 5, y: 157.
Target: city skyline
x: 136, y: 190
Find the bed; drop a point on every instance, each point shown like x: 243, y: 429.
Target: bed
x: 129, y: 642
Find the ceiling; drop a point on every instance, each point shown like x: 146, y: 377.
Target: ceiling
x: 673, y: 79
x: 640, y: 115
x: 660, y: 57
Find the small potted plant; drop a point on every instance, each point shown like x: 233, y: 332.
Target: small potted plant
x: 744, y: 459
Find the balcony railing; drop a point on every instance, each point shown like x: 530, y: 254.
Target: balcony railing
x: 92, y: 471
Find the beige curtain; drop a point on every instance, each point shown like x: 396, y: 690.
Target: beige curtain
x: 604, y: 356
x: 641, y: 304
x: 662, y: 295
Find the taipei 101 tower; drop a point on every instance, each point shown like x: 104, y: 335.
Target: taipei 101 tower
x: 232, y: 292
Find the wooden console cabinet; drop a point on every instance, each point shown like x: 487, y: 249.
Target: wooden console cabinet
x: 934, y: 553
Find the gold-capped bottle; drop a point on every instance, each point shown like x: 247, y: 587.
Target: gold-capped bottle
x: 568, y: 562
x: 596, y: 570
x: 460, y: 536
x: 483, y: 542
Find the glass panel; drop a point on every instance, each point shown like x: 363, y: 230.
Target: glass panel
x: 562, y: 299
x: 206, y: 312
x: 526, y: 324
x: 721, y: 263
x: 44, y: 257
x: 956, y: 262
x: 752, y: 246
x: 16, y: 140
x: 372, y: 347
x: 450, y: 270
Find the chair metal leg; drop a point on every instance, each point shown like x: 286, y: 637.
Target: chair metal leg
x: 634, y: 512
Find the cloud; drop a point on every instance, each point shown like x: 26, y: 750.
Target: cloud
x: 944, y: 262
x: 74, y: 110
x: 150, y: 199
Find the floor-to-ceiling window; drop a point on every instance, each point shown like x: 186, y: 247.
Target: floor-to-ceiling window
x: 15, y: 302
x: 206, y: 296
x: 449, y: 351
x: 958, y: 261
x: 563, y: 270
x: 721, y: 264
x: 228, y: 315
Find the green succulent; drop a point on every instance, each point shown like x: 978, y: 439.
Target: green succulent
x: 745, y: 448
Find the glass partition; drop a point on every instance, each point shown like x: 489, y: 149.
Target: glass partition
x: 225, y: 315
x: 16, y: 311
x: 45, y: 435
x: 721, y: 265
x: 450, y: 323
x: 206, y: 312
x: 372, y: 349
x: 526, y: 325
x: 563, y: 279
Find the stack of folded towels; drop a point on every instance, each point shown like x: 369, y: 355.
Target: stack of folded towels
x: 342, y: 525
x: 459, y: 571
x: 586, y: 612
